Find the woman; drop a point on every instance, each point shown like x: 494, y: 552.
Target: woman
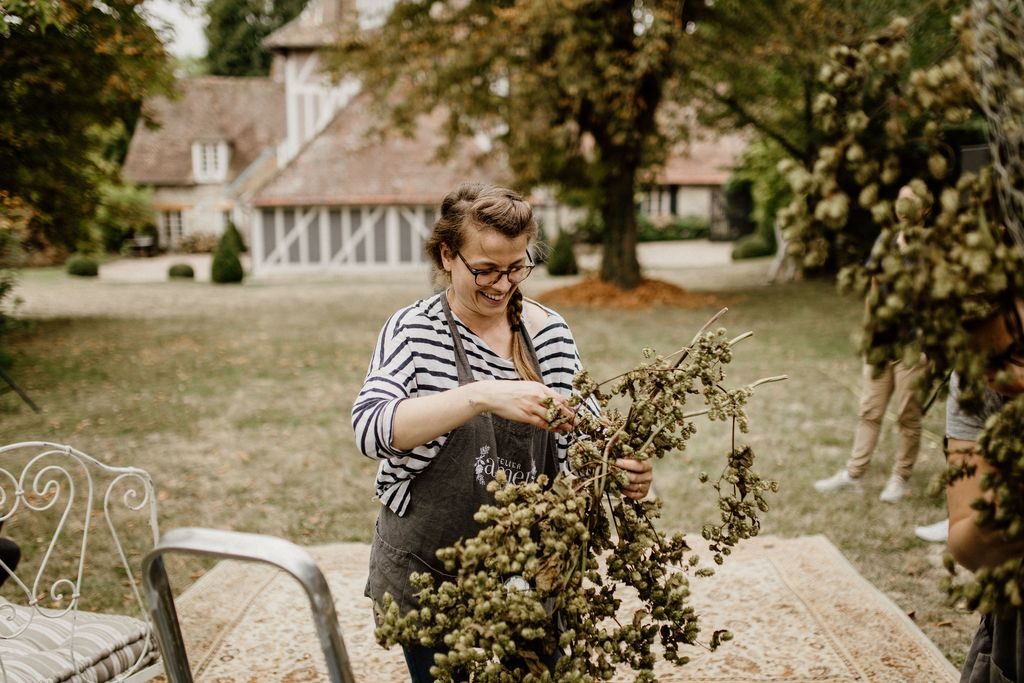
x: 458, y: 388
x: 997, y: 652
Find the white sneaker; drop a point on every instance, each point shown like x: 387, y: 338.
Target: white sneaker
x: 840, y: 480
x: 896, y: 489
x: 933, y: 533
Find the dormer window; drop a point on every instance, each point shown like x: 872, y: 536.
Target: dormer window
x: 210, y: 162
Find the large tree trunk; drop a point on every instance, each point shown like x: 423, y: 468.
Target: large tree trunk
x: 619, y: 264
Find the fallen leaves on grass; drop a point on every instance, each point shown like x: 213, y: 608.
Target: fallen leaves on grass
x: 594, y: 292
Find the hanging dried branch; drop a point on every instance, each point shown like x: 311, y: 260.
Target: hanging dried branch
x: 553, y: 559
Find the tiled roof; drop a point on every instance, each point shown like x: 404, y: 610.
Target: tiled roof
x: 247, y: 113
x: 705, y: 160
x: 319, y: 24
x: 345, y: 165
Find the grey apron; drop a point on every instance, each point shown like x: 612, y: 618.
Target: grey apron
x: 997, y: 652
x: 449, y: 492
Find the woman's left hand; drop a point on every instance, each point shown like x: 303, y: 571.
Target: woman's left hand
x: 640, y: 477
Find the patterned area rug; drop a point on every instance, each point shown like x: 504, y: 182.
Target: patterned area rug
x: 797, y: 608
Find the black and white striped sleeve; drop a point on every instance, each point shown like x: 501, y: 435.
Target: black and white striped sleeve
x: 390, y: 379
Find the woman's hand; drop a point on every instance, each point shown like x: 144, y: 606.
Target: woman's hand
x: 641, y: 475
x: 522, y: 401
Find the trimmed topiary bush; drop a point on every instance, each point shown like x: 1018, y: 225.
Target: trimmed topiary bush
x: 83, y: 266
x: 562, y: 260
x: 231, y: 233
x: 226, y: 267
x: 181, y: 270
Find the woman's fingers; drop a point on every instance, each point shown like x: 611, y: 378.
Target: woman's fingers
x: 529, y: 402
x: 640, y: 474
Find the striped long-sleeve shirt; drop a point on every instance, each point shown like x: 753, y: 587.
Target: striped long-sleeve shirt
x: 415, y: 356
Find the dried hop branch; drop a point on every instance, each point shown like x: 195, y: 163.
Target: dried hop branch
x: 545, y: 577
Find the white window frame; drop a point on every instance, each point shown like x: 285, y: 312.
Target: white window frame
x: 170, y: 227
x: 210, y: 162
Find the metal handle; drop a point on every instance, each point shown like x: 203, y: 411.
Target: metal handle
x: 238, y: 546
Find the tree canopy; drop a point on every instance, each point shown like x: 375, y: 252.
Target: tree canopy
x: 756, y: 65
x: 574, y: 94
x: 70, y: 68
x: 236, y: 31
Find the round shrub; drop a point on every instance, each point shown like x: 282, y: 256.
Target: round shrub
x: 226, y: 266
x: 83, y: 266
x: 752, y: 246
x: 562, y: 260
x: 181, y: 270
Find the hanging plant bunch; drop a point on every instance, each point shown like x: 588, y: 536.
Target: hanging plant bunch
x: 847, y: 191
x: 948, y: 252
x: 948, y: 256
x: 939, y: 257
x: 553, y: 561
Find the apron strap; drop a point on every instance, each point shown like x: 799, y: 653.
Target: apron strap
x: 461, y: 359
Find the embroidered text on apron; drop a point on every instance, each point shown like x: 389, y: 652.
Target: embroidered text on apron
x: 448, y: 493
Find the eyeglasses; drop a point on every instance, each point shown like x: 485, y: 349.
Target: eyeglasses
x: 491, y: 276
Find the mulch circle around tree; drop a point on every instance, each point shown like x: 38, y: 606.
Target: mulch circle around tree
x: 593, y: 292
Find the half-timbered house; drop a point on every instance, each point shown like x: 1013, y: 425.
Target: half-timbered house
x: 338, y: 197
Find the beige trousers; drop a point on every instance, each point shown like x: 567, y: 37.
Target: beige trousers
x: 897, y: 380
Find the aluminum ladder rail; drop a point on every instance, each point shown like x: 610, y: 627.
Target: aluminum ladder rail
x: 238, y: 546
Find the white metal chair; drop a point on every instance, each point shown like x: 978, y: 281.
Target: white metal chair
x: 239, y: 546
x: 78, y: 522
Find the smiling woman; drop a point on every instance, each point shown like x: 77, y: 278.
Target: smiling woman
x: 457, y: 395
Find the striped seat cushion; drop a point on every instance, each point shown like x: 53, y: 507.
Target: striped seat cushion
x: 78, y: 646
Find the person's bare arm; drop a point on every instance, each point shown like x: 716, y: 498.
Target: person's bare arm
x: 420, y: 420
x: 971, y: 545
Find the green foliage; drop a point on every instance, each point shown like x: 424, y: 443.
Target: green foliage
x: 124, y: 211
x: 664, y: 228
x: 768, y: 189
x: 535, y: 561
x: 562, y: 260
x: 82, y: 265
x: 236, y: 31
x: 234, y: 237
x: 70, y: 70
x: 590, y: 230
x: 181, y: 270
x: 226, y: 266
x: 739, y: 205
x: 752, y: 246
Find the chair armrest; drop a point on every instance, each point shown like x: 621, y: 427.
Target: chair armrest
x: 238, y: 546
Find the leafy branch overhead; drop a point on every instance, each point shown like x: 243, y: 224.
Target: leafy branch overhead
x: 553, y: 561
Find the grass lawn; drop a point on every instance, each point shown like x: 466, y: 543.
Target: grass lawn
x: 236, y: 399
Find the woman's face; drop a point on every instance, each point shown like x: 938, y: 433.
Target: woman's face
x: 1000, y: 339
x: 483, y: 249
